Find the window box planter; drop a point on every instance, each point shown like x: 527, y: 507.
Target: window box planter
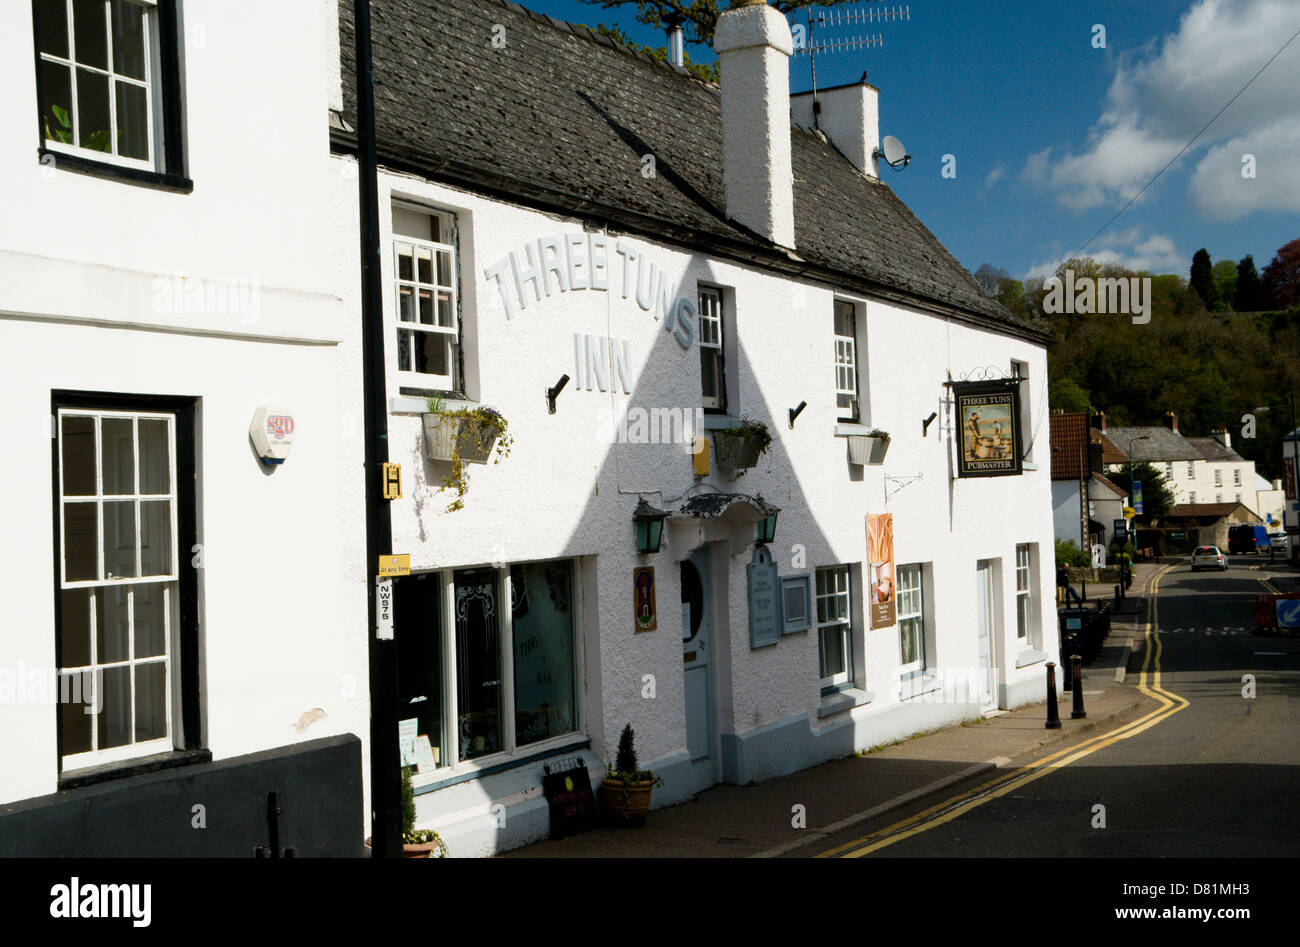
x: 461, y: 436
x: 447, y: 436
x: 869, y: 448
x: 739, y: 448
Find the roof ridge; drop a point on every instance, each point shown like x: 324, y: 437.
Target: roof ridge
x: 582, y: 31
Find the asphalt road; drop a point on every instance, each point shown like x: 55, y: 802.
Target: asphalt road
x: 1210, y: 773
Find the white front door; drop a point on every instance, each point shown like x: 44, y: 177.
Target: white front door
x: 984, y: 618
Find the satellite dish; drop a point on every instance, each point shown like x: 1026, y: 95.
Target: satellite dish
x: 892, y: 150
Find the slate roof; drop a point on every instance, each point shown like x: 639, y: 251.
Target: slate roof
x: 1215, y: 452
x: 559, y: 118
x: 1213, y: 511
x: 1164, y: 444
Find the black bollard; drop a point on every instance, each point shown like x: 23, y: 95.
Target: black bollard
x: 1076, y: 672
x: 1117, y: 597
x: 1053, y: 715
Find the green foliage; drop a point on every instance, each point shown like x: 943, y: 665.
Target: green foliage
x: 698, y: 17
x: 708, y: 72
x: 1225, y: 284
x: 96, y: 141
x: 755, y: 430
x: 1203, y: 278
x: 1157, y: 497
x: 479, y: 425
x: 408, y: 802
x: 1208, y: 368
x: 625, y: 761
x: 1068, y: 553
x: 1248, y: 295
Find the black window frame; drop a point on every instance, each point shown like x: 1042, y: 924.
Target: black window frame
x: 173, y: 175
x: 189, y: 734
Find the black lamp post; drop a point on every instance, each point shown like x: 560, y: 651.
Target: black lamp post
x: 649, y: 527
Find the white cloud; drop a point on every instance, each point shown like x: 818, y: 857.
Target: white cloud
x: 1163, y: 94
x: 1220, y: 191
x: 1155, y: 253
x: 996, y: 175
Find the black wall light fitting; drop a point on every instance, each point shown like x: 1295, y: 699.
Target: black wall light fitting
x: 553, y: 393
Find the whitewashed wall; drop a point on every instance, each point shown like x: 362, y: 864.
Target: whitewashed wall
x: 86, y: 265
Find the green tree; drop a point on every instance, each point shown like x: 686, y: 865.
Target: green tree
x: 697, y: 17
x: 1157, y: 497
x: 1225, y: 284
x: 1065, y: 394
x: 1249, y: 292
x: 1203, y: 278
x: 706, y: 71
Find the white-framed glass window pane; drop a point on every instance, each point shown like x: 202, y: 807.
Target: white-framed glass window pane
x: 118, y: 584
x: 1218, y: 478
x: 1024, y: 591
x: 911, y: 617
x: 1191, y: 497
x: 1191, y: 470
x: 712, y: 377
x: 1169, y: 470
x: 1236, y: 476
x: 98, y: 78
x: 542, y: 628
x: 478, y: 664
x: 834, y: 622
x: 427, y: 305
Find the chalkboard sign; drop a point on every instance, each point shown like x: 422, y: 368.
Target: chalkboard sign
x: 764, y: 599
x: 573, y: 805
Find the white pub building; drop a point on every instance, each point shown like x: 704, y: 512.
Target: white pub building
x: 626, y: 263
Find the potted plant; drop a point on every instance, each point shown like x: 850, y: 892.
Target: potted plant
x: 626, y: 789
x: 417, y: 843
x: 740, y: 447
x: 463, y: 436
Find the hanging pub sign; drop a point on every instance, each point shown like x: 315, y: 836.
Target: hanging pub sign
x: 643, y: 583
x: 988, y: 418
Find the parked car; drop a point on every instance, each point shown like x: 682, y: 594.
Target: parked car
x: 1247, y: 538
x: 1208, y: 557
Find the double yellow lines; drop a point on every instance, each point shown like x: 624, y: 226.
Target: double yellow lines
x: 950, y: 809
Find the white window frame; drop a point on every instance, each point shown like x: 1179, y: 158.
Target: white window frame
x: 151, y: 71
x: 1236, y: 476
x: 843, y: 678
x: 712, y: 326
x: 410, y: 378
x: 1191, y: 496
x: 1024, y: 593
x: 1169, y: 470
x: 1218, y: 477
x: 451, y: 765
x: 847, y: 377
x: 170, y: 583
x: 1191, y: 470
x: 903, y: 577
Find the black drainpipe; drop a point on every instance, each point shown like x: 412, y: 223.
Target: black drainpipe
x: 385, y: 775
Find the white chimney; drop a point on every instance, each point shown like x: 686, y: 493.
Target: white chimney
x: 1222, y: 436
x: 849, y: 117
x: 754, y: 45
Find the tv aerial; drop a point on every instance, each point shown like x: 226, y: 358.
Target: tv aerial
x: 810, y: 41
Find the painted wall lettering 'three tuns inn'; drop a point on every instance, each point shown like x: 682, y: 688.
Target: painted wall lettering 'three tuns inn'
x: 622, y: 323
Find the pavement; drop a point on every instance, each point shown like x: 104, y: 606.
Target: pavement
x: 756, y: 821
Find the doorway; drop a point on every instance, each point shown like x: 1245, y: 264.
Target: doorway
x: 697, y: 665
x: 984, y: 620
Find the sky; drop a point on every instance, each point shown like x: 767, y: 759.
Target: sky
x: 1051, y: 133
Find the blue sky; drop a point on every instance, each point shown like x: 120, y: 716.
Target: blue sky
x: 1051, y: 136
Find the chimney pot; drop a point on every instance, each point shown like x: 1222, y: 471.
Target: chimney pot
x: 1171, y: 421
x: 754, y: 44
x: 1099, y: 421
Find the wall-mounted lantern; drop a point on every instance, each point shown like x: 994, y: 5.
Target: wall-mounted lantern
x: 649, y: 527
x: 766, y: 530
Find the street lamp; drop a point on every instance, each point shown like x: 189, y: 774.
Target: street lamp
x: 1131, y: 441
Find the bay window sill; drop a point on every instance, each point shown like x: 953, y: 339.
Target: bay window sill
x: 464, y: 772
x: 719, y: 422
x: 918, y: 683
x: 413, y: 404
x: 852, y: 429
x: 1028, y: 656
x: 842, y: 700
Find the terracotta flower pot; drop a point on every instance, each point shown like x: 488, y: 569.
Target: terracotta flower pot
x: 626, y: 802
